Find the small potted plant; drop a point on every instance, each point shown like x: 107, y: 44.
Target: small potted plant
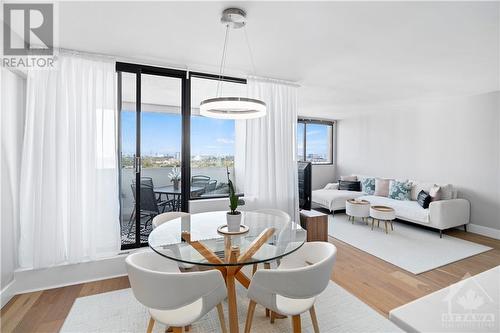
x: 233, y: 216
x: 175, y: 177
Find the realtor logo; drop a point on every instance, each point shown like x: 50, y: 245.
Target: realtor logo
x: 28, y: 29
x: 29, y: 36
x: 469, y: 307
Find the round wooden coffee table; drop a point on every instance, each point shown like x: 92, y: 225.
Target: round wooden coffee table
x: 382, y: 213
x: 357, y: 208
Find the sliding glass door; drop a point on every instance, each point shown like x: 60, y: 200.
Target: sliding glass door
x: 156, y: 144
x: 151, y: 133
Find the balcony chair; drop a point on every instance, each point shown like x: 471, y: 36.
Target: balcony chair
x: 211, y: 186
x: 200, y: 181
x: 149, y: 205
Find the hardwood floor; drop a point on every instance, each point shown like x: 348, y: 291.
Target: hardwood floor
x: 379, y: 284
x: 384, y: 286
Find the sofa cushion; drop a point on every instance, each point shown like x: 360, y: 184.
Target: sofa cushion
x: 400, y: 190
x: 382, y: 187
x: 424, y: 199
x: 349, y: 185
x: 368, y: 185
x: 435, y: 192
x: 349, y: 178
x: 405, y: 209
x: 331, y: 186
x: 419, y: 186
x: 334, y: 199
x: 447, y: 192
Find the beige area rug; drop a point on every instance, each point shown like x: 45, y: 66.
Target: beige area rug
x: 409, y: 246
x: 118, y: 311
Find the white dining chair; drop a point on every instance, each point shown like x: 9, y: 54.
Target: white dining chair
x: 275, y: 212
x: 173, y: 298
x: 165, y: 217
x: 292, y: 288
x: 182, y: 250
x: 267, y: 250
x: 266, y: 247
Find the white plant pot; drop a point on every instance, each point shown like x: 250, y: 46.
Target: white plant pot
x: 233, y: 222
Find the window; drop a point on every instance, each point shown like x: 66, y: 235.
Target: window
x: 212, y: 140
x: 315, y: 141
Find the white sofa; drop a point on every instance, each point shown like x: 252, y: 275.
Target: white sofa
x: 442, y: 214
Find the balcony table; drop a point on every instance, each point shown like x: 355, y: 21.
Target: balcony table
x: 272, y: 236
x: 176, y: 193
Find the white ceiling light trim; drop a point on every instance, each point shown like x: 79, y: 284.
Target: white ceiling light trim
x: 232, y: 107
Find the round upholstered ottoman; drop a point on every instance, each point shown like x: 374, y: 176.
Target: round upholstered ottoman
x: 357, y: 208
x: 382, y: 213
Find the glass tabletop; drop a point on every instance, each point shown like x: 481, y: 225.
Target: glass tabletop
x: 195, y: 239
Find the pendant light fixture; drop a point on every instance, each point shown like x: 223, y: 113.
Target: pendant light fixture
x: 232, y: 107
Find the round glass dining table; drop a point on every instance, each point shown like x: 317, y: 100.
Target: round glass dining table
x: 195, y: 240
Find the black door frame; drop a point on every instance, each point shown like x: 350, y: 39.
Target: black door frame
x: 184, y: 76
x: 138, y: 70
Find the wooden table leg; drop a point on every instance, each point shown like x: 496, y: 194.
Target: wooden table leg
x: 242, y: 278
x: 231, y: 301
x: 231, y: 291
x: 231, y: 273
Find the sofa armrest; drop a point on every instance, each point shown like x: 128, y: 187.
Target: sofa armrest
x: 331, y: 186
x: 446, y: 214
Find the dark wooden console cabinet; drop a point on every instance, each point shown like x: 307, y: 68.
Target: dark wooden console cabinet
x: 316, y: 224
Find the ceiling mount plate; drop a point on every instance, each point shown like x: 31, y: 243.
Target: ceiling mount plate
x: 234, y: 18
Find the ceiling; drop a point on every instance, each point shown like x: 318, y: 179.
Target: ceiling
x: 342, y: 54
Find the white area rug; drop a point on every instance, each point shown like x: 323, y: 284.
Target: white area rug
x: 470, y: 305
x: 410, y: 247
x: 118, y: 311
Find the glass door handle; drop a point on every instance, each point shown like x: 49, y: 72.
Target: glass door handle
x: 137, y: 164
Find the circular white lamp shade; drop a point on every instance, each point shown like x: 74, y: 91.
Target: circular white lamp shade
x: 232, y: 108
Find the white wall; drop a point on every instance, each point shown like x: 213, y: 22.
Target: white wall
x: 322, y: 175
x: 453, y: 141
x: 12, y: 123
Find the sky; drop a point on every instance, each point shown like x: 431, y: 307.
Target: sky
x: 317, y: 139
x: 161, y: 134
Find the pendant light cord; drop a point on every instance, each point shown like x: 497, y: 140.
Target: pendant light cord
x: 222, y: 62
x: 250, y: 51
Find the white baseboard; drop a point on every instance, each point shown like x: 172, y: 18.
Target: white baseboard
x: 66, y: 275
x: 483, y: 231
x: 7, y: 293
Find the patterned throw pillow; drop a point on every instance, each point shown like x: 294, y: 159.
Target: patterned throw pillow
x: 400, y: 190
x: 368, y: 185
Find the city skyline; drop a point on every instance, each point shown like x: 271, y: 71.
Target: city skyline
x: 161, y: 136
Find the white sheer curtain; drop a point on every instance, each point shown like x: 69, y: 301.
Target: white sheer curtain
x: 265, y: 158
x: 69, y: 177
x: 11, y: 133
